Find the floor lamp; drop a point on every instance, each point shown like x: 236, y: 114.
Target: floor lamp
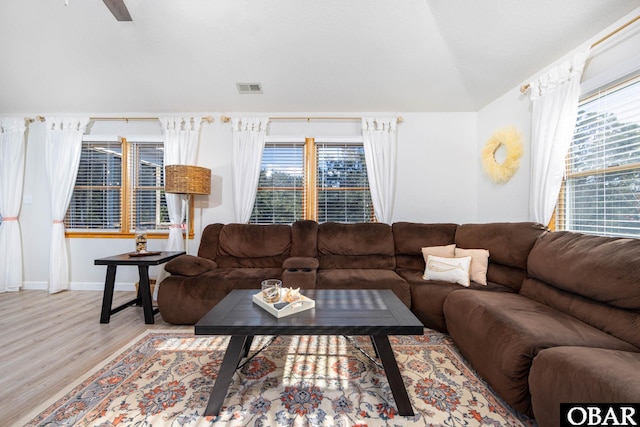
x: 187, y: 179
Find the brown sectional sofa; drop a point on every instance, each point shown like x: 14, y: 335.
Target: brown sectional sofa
x: 361, y: 255
x: 508, y: 244
x: 582, y: 293
x: 559, y: 319
x: 235, y: 256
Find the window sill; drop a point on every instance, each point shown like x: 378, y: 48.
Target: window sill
x: 99, y: 235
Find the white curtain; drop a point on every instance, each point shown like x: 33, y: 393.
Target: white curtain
x: 248, y: 144
x: 555, y: 97
x: 12, y: 154
x: 181, y: 137
x: 63, y: 146
x: 380, y: 147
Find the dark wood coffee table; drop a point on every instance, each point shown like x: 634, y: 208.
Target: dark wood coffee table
x: 377, y: 313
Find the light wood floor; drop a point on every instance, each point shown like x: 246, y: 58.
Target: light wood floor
x: 49, y: 341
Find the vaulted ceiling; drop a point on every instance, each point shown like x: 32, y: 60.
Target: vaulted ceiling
x: 309, y: 55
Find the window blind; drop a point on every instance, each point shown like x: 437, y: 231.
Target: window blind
x: 148, y: 207
x: 119, y: 187
x: 96, y: 201
x: 342, y: 184
x: 601, y: 193
x: 280, y: 198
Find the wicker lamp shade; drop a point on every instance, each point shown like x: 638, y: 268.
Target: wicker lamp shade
x: 186, y: 179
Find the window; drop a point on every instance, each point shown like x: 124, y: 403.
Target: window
x: 342, y: 184
x: 281, y: 189
x: 601, y: 192
x: 323, y: 180
x: 119, y: 187
x: 147, y: 204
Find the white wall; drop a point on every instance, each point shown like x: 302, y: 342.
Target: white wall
x: 437, y: 168
x: 508, y: 201
x: 613, y: 59
x: 436, y: 164
x: 436, y: 182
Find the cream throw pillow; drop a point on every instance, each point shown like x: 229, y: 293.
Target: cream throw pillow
x: 441, y: 251
x: 479, y: 263
x: 454, y: 270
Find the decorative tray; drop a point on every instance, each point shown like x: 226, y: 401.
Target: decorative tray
x: 304, y: 303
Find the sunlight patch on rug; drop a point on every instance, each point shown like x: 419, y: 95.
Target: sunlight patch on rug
x: 164, y: 379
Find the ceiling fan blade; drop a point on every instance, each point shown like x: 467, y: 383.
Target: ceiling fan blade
x: 118, y: 9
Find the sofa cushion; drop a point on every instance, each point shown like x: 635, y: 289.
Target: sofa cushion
x: 447, y: 251
x: 410, y: 237
x: 501, y: 333
x: 509, y: 245
x: 592, y: 278
x: 618, y: 322
x: 479, y: 263
x: 363, y: 245
x: 364, y: 278
x: 451, y: 270
x: 508, y: 276
x: 184, y: 300
x: 603, y: 269
x: 251, y: 245
x: 209, y: 241
x: 304, y: 239
x: 306, y: 263
x: 189, y: 265
x: 427, y: 297
x: 581, y: 375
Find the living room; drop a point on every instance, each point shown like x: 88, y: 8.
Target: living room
x: 450, y: 98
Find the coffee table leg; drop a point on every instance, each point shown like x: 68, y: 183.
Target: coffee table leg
x: 384, y: 351
x: 374, y: 347
x: 227, y: 369
x: 247, y: 346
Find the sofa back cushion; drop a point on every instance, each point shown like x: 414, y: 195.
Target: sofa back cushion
x: 620, y: 323
x: 604, y: 269
x: 209, y: 241
x: 304, y: 239
x: 362, y: 245
x: 251, y: 245
x: 410, y: 237
x: 508, y: 244
x: 595, y: 279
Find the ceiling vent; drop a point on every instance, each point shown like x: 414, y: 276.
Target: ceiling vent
x: 249, y: 88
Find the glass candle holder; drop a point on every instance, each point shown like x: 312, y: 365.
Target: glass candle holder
x: 141, y: 241
x: 271, y: 290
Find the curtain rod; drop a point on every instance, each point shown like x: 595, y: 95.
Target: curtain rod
x: 208, y: 119
x: 227, y: 119
x: 525, y: 87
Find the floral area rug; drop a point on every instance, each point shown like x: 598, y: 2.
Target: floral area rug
x: 164, y: 379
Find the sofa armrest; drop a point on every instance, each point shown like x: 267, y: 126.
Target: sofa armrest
x: 300, y: 272
x: 189, y: 265
x: 301, y: 263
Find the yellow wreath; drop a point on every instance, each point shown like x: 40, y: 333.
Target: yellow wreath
x: 512, y: 141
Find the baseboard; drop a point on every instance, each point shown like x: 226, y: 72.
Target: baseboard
x: 99, y: 286
x: 37, y: 286
x: 81, y: 286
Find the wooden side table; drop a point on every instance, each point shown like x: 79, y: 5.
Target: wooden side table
x: 144, y: 289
